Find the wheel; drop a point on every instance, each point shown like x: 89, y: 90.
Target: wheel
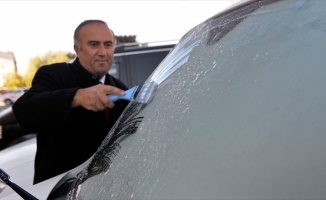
x: 8, y: 102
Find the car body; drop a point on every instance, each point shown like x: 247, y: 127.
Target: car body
x: 11, y: 96
x: 235, y: 111
x: 18, y: 160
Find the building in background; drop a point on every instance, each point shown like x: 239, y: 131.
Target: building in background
x: 7, y: 65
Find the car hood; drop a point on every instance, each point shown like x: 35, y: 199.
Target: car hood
x: 18, y: 162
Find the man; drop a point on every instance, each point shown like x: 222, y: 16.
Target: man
x: 68, y: 105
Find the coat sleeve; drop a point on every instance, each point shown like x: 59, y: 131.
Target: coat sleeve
x: 48, y: 102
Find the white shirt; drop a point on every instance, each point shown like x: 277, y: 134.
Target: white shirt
x: 102, y: 80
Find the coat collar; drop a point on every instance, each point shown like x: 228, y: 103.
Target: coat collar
x: 87, y: 76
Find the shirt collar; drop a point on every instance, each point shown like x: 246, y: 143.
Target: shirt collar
x: 102, y: 80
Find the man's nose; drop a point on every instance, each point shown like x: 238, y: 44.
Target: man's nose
x: 102, y: 50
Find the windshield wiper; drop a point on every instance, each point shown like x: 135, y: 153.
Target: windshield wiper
x: 23, y: 193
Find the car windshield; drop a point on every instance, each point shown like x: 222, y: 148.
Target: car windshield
x: 239, y: 113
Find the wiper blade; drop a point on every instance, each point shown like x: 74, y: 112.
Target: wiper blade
x: 23, y: 193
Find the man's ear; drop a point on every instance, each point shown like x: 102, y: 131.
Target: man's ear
x: 75, y: 48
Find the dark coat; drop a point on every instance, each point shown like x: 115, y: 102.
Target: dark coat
x: 66, y: 137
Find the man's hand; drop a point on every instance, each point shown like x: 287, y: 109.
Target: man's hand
x: 95, y: 98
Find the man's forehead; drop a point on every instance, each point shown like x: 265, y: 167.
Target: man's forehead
x: 98, y: 34
x: 96, y: 28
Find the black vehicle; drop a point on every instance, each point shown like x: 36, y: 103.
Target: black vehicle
x: 134, y: 62
x: 11, y: 132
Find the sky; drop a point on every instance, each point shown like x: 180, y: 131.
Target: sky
x: 33, y: 28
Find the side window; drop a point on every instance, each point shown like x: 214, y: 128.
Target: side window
x: 142, y: 65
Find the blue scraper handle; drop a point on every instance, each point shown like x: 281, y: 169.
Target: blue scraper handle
x: 127, y: 96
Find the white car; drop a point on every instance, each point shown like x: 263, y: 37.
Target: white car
x: 237, y: 111
x: 10, y: 97
x: 18, y: 160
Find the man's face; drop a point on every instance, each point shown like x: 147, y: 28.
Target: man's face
x: 97, y: 48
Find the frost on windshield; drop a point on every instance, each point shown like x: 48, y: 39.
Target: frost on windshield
x: 102, y: 159
x: 178, y: 56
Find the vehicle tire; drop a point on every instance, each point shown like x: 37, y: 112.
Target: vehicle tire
x: 8, y: 102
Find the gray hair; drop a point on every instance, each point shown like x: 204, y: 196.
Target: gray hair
x: 77, y: 40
